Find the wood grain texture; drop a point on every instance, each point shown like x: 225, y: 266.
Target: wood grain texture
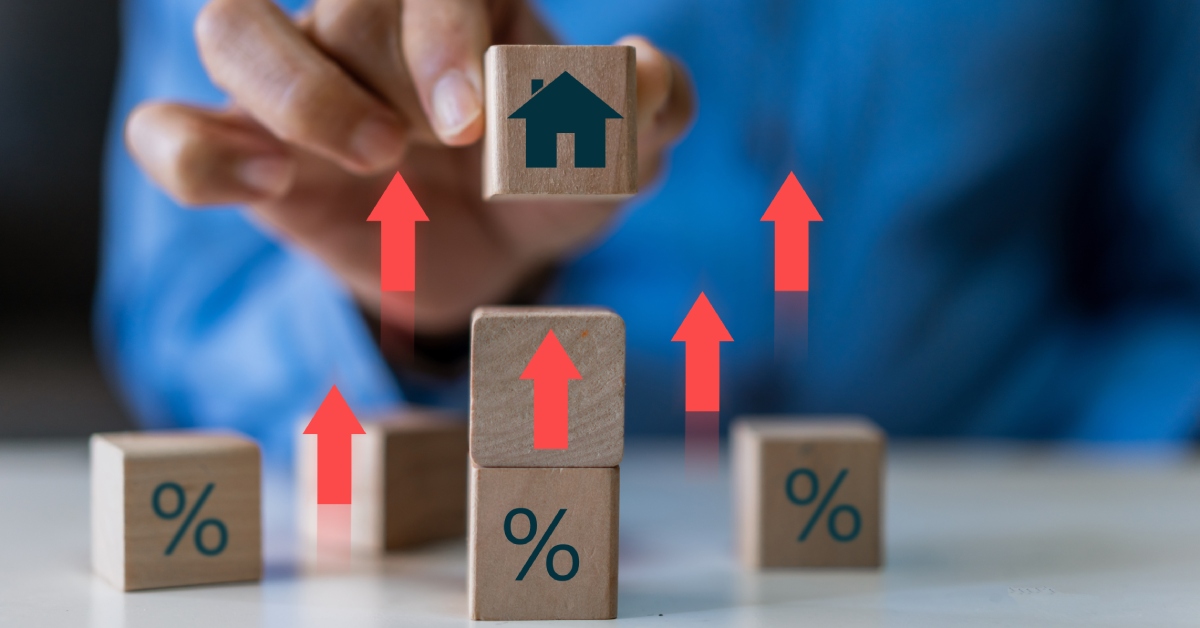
x: 503, y: 339
x: 590, y: 525
x: 408, y: 482
x: 608, y: 71
x: 129, y: 540
x: 766, y: 452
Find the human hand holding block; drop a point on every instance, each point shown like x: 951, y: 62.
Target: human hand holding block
x: 324, y: 120
x: 175, y: 508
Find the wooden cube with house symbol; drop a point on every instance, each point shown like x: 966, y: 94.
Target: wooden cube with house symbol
x: 561, y: 120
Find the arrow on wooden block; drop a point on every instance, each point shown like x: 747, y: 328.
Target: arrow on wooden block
x: 551, y: 369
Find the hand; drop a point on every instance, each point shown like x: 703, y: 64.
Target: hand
x: 326, y: 108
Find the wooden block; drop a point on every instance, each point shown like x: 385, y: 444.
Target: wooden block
x: 560, y: 120
x: 785, y: 471
x: 408, y: 481
x: 175, y: 508
x: 542, y: 543
x: 503, y: 341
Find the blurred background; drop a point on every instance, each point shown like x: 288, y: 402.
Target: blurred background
x: 57, y: 63
x: 54, y: 104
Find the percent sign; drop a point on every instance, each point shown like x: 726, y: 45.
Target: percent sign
x: 541, y: 543
x: 814, y: 490
x: 180, y: 504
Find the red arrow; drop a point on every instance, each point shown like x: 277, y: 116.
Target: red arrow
x: 333, y: 424
x: 791, y: 211
x: 702, y: 332
x: 398, y: 213
x: 551, y: 369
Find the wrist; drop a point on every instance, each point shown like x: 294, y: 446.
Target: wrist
x: 409, y: 340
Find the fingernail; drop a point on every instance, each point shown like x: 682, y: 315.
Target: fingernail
x: 376, y: 142
x: 269, y: 175
x: 455, y: 103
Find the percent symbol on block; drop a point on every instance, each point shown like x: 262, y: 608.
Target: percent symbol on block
x: 541, y: 544
x: 813, y: 493
x: 180, y: 505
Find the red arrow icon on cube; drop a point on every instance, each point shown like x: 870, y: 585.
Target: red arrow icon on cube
x: 551, y: 369
x: 333, y: 424
x: 702, y: 333
x: 398, y: 213
x: 791, y: 211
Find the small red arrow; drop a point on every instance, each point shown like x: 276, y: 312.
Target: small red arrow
x: 551, y: 369
x: 702, y: 332
x: 398, y: 213
x: 791, y: 211
x: 333, y: 424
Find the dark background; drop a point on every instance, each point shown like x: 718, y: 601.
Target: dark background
x: 57, y: 61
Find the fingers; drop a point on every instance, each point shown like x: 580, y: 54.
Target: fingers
x: 363, y: 37
x: 664, y: 105
x: 200, y: 157
x: 664, y: 95
x: 443, y: 42
x: 653, y: 80
x: 364, y: 75
x: 254, y: 52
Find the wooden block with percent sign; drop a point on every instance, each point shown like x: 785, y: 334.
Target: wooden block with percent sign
x: 175, y: 508
x: 408, y: 481
x: 561, y: 120
x: 543, y: 544
x: 808, y: 492
x: 547, y: 387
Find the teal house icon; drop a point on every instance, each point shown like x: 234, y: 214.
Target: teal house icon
x: 564, y: 106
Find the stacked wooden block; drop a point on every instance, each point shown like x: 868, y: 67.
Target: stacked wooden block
x: 543, y: 519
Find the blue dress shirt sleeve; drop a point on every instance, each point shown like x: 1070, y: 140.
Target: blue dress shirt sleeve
x: 203, y: 318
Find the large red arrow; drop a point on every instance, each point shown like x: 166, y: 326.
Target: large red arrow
x: 551, y: 369
x: 398, y: 213
x: 333, y: 424
x: 702, y: 332
x: 791, y: 211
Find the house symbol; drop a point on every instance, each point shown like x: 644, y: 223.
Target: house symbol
x: 563, y: 106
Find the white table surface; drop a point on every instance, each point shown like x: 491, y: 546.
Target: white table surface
x: 975, y: 536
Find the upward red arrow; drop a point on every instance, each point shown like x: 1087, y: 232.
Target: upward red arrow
x: 791, y: 211
x: 702, y: 332
x: 333, y: 424
x: 551, y: 369
x: 398, y: 213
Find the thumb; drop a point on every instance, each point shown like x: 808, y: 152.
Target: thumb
x: 444, y: 41
x: 665, y: 100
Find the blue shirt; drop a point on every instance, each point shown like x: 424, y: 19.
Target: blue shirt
x: 1010, y: 246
